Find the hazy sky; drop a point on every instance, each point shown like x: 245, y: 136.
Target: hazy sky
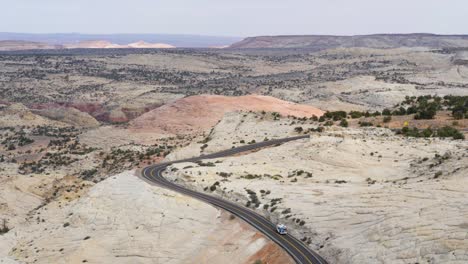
x: 235, y: 17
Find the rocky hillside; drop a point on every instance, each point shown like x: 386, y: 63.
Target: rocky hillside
x: 10, y: 45
x: 319, y: 42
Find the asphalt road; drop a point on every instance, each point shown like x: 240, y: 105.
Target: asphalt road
x: 296, y: 249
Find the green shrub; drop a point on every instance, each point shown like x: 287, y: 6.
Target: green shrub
x: 344, y: 123
x: 365, y: 124
x: 355, y: 114
x: 444, y: 132
x: 335, y: 115
x: 298, y: 129
x: 448, y: 131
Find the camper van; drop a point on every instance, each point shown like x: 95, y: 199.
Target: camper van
x: 281, y: 229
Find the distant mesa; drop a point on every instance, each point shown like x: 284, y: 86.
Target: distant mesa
x: 176, y: 40
x: 310, y: 42
x: 146, y: 45
x: 321, y: 42
x: 219, y: 47
x: 102, y: 44
x: 16, y: 45
x: 92, y: 44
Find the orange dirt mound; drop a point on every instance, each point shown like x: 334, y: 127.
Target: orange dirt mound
x: 196, y: 113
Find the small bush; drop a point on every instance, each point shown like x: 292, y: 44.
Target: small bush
x: 344, y: 123
x: 448, y: 131
x: 335, y: 115
x: 355, y: 114
x: 298, y: 129
x: 365, y: 124
x: 340, y: 181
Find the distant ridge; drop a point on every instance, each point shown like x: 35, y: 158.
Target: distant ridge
x: 13, y: 45
x: 183, y: 41
x: 21, y: 45
x: 319, y: 42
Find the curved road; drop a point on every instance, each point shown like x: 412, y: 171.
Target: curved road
x: 298, y: 251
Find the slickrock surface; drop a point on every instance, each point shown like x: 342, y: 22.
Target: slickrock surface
x: 125, y: 220
x: 197, y: 113
x: 364, y: 195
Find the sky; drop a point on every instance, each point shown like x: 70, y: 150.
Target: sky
x: 235, y: 17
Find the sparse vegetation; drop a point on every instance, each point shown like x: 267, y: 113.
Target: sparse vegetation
x: 444, y: 132
x: 365, y: 124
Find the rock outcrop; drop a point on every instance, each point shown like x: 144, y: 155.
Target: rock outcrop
x: 198, y: 113
x: 69, y: 115
x: 20, y: 115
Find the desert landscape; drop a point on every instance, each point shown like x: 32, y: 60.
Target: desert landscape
x: 382, y: 177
